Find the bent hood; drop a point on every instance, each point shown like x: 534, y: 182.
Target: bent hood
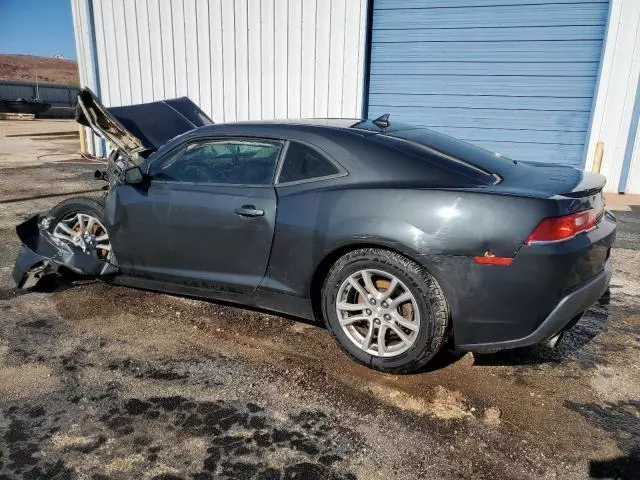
x: 138, y: 130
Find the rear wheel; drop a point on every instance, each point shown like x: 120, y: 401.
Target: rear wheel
x: 384, y: 310
x: 80, y: 222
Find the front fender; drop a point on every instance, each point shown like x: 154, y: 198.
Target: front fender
x: 41, y: 253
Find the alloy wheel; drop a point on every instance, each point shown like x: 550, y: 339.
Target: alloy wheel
x: 378, y: 313
x: 86, y: 232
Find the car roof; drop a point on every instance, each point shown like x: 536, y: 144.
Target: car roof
x: 369, y: 153
x: 322, y: 132
x: 319, y: 122
x: 323, y: 126
x: 444, y: 145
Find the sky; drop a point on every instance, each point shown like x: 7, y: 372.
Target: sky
x: 37, y: 27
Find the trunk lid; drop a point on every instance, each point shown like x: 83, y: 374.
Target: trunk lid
x: 547, y: 180
x: 138, y: 130
x: 571, y: 189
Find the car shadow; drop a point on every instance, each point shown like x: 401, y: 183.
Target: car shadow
x: 621, y: 421
x: 623, y: 468
x: 69, y: 279
x: 60, y: 283
x: 47, y: 284
x: 443, y: 359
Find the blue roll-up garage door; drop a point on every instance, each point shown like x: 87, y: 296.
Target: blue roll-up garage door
x: 513, y: 76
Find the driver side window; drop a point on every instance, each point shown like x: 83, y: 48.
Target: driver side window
x: 232, y: 162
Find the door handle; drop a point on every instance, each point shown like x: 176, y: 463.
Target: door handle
x: 249, y: 211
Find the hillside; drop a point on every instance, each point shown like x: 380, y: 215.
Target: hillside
x: 49, y: 70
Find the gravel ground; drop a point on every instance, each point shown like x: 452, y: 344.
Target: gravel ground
x: 98, y: 381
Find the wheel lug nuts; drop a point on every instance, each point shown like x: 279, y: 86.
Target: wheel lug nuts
x: 387, y: 316
x: 368, y: 312
x: 385, y: 304
x: 377, y: 321
x: 372, y: 301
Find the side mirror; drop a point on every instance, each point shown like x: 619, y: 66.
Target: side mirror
x: 133, y: 176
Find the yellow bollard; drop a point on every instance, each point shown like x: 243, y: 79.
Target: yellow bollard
x: 83, y: 140
x: 597, y: 157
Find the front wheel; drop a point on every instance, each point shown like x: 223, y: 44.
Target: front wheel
x: 384, y: 310
x: 80, y: 222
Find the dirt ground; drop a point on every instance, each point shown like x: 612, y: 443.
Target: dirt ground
x: 49, y: 70
x: 98, y: 381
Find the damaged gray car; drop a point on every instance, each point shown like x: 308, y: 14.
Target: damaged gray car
x: 399, y: 238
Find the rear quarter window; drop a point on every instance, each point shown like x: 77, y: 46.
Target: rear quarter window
x: 304, y: 163
x: 437, y: 158
x: 485, y: 160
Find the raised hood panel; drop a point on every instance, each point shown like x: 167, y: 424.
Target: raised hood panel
x: 137, y: 130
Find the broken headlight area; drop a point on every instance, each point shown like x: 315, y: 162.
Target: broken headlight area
x: 113, y: 173
x: 42, y: 254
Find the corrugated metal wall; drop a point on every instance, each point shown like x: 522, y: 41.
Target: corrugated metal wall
x: 238, y: 59
x: 514, y: 76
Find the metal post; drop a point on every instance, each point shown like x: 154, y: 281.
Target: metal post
x: 597, y: 157
x: 83, y: 139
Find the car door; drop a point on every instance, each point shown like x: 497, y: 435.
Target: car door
x: 205, y: 219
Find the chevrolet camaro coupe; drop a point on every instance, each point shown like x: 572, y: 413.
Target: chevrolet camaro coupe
x: 398, y: 238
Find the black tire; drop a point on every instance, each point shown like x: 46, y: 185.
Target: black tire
x: 89, y: 205
x: 432, y: 305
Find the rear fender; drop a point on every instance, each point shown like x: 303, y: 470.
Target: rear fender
x: 41, y: 253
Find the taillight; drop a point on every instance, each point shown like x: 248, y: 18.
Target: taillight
x: 563, y: 228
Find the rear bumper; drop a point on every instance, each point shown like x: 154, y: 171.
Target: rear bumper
x: 499, y: 307
x: 573, y: 304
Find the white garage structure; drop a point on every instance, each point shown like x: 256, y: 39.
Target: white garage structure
x: 540, y: 80
x: 237, y: 59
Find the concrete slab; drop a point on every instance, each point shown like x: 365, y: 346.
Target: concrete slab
x: 621, y: 201
x: 38, y: 141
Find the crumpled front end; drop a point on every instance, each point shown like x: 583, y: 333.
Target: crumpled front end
x: 43, y: 254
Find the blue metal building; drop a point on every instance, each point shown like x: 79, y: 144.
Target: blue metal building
x: 515, y: 77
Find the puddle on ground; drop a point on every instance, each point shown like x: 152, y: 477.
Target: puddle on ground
x: 126, y: 437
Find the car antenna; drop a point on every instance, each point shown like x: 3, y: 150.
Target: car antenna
x: 382, y: 121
